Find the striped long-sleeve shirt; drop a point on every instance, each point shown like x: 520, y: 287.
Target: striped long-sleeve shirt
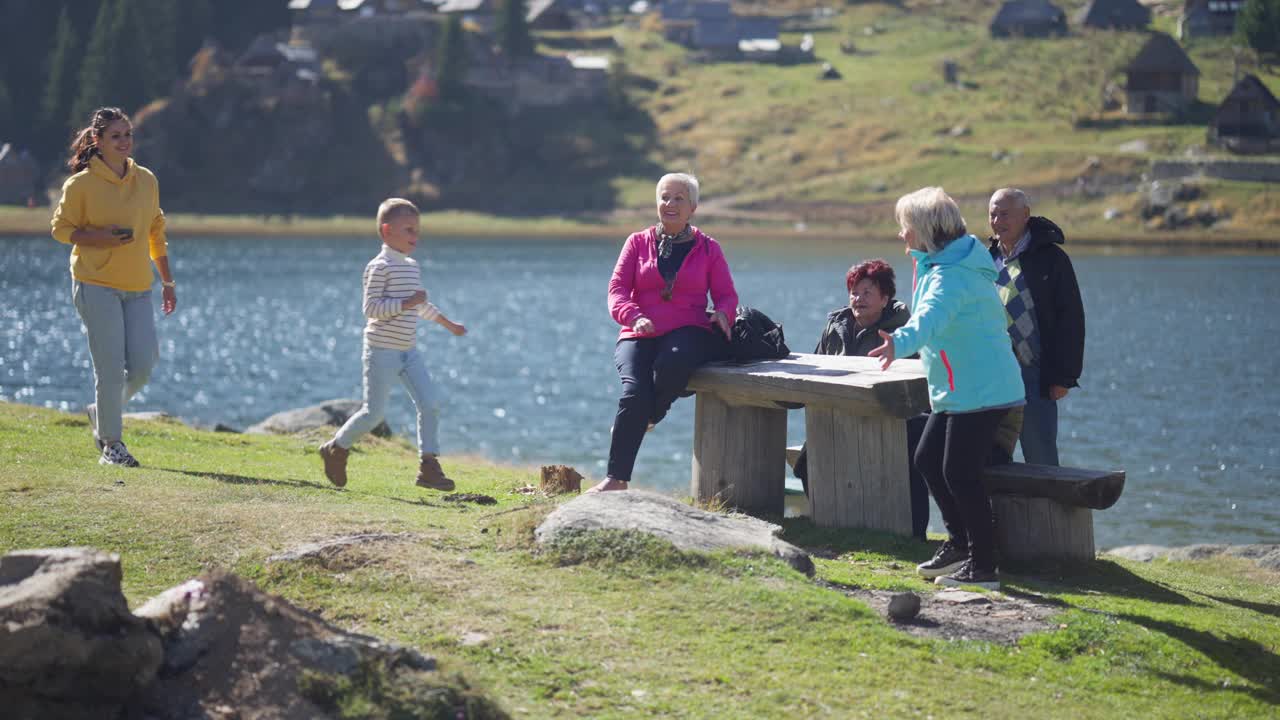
x: 389, y: 279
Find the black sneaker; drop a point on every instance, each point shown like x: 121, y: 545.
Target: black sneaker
x: 117, y: 454
x: 969, y: 574
x: 947, y: 559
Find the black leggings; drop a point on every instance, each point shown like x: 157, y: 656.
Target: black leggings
x: 654, y: 372
x: 951, y: 455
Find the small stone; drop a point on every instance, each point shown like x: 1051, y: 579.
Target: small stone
x: 903, y: 606
x: 471, y: 639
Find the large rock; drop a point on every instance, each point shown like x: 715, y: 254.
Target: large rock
x: 228, y: 644
x: 1267, y: 556
x: 686, y: 527
x: 328, y: 413
x: 69, y: 647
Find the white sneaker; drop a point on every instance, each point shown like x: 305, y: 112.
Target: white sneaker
x: 117, y: 454
x: 92, y: 412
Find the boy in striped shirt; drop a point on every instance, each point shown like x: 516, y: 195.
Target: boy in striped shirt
x: 393, y: 302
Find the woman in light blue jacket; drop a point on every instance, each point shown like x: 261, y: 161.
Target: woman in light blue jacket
x: 958, y: 327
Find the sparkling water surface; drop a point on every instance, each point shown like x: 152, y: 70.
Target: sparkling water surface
x: 1179, y: 388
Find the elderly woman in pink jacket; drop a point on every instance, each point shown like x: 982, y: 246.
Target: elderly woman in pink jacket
x: 658, y: 294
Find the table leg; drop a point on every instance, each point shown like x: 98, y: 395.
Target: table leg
x: 858, y: 470
x: 739, y: 455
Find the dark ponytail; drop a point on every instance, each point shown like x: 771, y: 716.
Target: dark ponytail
x: 85, y: 144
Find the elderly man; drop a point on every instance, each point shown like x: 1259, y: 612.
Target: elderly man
x: 1046, y: 316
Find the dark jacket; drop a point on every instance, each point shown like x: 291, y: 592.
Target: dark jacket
x: 1059, y: 309
x: 842, y: 336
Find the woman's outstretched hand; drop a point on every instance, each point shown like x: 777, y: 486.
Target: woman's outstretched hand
x: 885, y: 351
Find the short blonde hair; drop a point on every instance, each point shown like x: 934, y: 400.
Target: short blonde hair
x: 933, y: 215
x: 393, y: 208
x: 690, y: 183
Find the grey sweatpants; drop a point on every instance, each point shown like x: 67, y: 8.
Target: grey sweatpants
x: 121, y: 327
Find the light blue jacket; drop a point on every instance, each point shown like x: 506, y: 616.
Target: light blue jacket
x: 959, y: 327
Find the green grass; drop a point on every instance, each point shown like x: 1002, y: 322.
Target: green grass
x: 613, y: 625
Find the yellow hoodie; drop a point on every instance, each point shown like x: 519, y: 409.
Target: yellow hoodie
x: 97, y: 198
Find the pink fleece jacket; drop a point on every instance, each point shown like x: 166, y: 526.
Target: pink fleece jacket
x: 635, y: 290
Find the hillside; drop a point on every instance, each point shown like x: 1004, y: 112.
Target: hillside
x: 778, y: 148
x: 780, y: 142
x: 618, y: 626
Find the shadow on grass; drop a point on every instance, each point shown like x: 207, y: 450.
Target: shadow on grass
x: 1099, y: 576
x: 1102, y: 577
x: 246, y: 480
x: 832, y: 542
x: 1258, y: 607
x: 1242, y: 656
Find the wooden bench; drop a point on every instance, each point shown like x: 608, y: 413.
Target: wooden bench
x: 854, y: 417
x: 1042, y: 512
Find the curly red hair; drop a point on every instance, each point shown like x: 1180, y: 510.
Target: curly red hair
x: 877, y: 271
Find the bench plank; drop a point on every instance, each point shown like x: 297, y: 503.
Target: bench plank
x: 852, y: 384
x: 1097, y: 489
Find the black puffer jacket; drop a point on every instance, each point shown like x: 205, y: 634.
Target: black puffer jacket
x: 842, y: 336
x: 1059, y: 309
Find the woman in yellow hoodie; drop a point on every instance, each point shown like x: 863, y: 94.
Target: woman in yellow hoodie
x: 108, y: 200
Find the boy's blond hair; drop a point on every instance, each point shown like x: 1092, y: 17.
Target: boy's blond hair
x: 393, y: 208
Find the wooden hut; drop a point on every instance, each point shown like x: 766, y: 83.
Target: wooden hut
x: 1248, y: 120
x: 1114, y: 15
x: 1028, y: 18
x: 1208, y: 17
x: 1160, y: 78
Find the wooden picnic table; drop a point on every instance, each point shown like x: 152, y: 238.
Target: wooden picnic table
x: 854, y: 422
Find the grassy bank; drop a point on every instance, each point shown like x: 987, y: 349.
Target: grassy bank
x: 622, y: 628
x: 34, y: 222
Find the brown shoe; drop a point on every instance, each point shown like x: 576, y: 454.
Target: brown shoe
x: 335, y: 462
x: 431, y: 475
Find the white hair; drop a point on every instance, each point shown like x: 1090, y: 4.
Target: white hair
x: 1018, y: 197
x: 933, y: 215
x: 690, y: 184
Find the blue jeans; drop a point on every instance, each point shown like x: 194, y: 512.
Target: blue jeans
x: 121, y: 327
x: 1039, y: 438
x: 382, y: 368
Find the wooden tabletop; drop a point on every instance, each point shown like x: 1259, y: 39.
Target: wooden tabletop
x: 854, y: 384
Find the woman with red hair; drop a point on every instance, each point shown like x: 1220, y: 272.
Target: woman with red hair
x: 855, y: 330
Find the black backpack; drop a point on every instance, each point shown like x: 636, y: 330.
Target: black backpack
x: 756, y: 337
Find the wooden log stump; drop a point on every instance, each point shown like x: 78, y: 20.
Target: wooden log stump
x: 560, y: 479
x: 738, y: 455
x: 858, y: 474
x: 1032, y: 529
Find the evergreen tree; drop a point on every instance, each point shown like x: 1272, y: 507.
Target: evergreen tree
x: 513, y: 29
x: 95, y: 68
x: 451, y: 59
x: 55, y: 105
x: 130, y: 71
x: 237, y: 22
x: 191, y: 28
x: 8, y: 125
x: 1258, y: 25
x: 159, y: 23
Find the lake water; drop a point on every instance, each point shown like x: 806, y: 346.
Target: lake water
x: 1179, y: 389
